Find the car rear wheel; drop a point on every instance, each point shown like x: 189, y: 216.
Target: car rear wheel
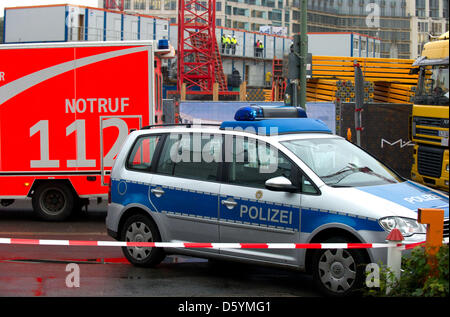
x: 53, y: 201
x: 139, y: 228
x: 338, y: 272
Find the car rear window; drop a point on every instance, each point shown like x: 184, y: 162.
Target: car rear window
x: 142, y: 153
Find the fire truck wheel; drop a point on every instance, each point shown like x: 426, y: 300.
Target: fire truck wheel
x: 53, y: 201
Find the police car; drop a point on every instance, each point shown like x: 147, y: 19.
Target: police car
x: 262, y: 179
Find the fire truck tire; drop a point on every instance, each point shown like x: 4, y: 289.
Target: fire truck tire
x: 53, y: 201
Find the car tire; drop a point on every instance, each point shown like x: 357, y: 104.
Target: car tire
x: 140, y: 228
x: 338, y: 272
x: 53, y: 201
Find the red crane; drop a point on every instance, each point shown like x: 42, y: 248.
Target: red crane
x: 199, y: 62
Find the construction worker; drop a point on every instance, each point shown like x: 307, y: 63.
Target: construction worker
x: 224, y: 44
x: 256, y: 48
x: 228, y: 44
x: 268, y: 78
x: 233, y: 45
x: 261, y: 49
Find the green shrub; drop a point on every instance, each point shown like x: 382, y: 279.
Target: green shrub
x: 415, y: 280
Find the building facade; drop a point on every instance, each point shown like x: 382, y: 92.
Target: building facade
x: 248, y: 15
x: 402, y: 25
x: 384, y: 19
x: 429, y: 18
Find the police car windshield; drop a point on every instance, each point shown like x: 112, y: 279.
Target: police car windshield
x: 341, y: 164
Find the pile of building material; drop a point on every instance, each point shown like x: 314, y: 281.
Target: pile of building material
x: 321, y: 90
x: 336, y: 90
x: 394, y: 93
x: 374, y: 69
x: 386, y: 79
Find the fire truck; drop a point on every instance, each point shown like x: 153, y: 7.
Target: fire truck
x: 65, y: 109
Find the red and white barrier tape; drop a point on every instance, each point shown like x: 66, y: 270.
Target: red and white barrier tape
x: 413, y: 245
x: 207, y: 245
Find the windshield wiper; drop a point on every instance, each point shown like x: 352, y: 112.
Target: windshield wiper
x: 347, y: 170
x: 352, y: 169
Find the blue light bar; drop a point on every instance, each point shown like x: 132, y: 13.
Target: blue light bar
x: 163, y: 44
x: 252, y: 113
x: 278, y: 126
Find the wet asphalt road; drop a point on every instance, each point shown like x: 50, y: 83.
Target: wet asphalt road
x: 103, y: 271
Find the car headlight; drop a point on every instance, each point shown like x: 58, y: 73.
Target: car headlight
x: 407, y: 226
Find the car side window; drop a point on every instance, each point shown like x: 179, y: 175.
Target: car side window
x: 252, y: 162
x: 195, y: 156
x: 307, y: 186
x: 142, y: 153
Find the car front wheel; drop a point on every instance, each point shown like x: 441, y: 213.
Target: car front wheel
x: 338, y: 272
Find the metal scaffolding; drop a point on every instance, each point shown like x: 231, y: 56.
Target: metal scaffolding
x: 199, y: 61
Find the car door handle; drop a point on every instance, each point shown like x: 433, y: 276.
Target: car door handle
x: 229, y: 203
x: 158, y: 192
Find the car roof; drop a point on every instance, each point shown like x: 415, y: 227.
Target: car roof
x: 278, y: 125
x: 215, y: 128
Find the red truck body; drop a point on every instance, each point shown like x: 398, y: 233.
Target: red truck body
x: 65, y: 110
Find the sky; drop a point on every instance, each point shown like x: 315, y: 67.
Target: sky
x: 20, y: 3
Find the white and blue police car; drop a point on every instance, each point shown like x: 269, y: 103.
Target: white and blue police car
x: 262, y: 179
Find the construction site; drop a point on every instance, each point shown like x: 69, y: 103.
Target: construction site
x: 309, y: 158
x: 208, y: 67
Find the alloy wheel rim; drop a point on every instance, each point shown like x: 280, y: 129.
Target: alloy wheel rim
x: 337, y: 270
x: 139, y: 232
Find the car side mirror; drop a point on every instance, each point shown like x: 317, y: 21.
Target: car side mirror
x: 281, y: 184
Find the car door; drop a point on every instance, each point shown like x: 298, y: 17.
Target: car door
x: 185, y: 187
x: 249, y: 213
x: 133, y: 187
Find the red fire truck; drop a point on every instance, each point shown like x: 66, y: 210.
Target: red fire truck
x: 65, y: 110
